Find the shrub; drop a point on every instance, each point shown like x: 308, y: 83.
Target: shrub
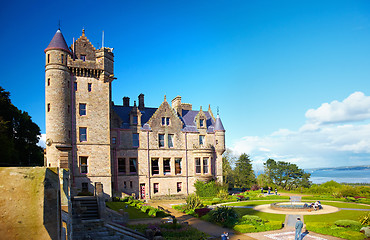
x: 365, y: 219
x: 144, y: 208
x: 347, y: 223
x: 208, y: 189
x: 193, y: 202
x: 244, y: 228
x: 226, y: 216
x: 202, y: 211
x: 252, y: 219
x: 223, y: 194
x: 273, y: 225
x: 153, y: 212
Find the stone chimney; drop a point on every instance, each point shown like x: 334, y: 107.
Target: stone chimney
x: 141, y: 102
x: 126, y: 101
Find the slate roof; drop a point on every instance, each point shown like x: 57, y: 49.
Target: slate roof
x: 188, y: 119
x: 58, y: 42
x: 218, y: 124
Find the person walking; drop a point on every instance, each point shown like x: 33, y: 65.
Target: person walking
x: 275, y: 191
x: 298, y: 229
x: 269, y: 190
x: 225, y: 236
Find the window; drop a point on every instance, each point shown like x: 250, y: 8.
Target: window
x: 122, y: 165
x: 179, y: 187
x: 165, y: 121
x: 133, y: 165
x: 89, y: 87
x: 48, y: 81
x: 201, y: 122
x: 135, y: 140
x: 69, y: 134
x: 134, y: 119
x: 83, y: 134
x: 197, y: 165
x: 85, y: 187
x: 161, y: 140
x: 75, y: 86
x: 124, y: 184
x: 166, y: 166
x: 48, y: 107
x: 201, y: 139
x: 48, y: 58
x: 114, y: 140
x: 62, y: 58
x: 69, y: 109
x: 178, y: 168
x: 170, y: 140
x: 155, y: 166
x: 130, y: 184
x: 155, y: 187
x: 82, y: 109
x: 83, y: 165
x: 83, y: 57
x: 68, y: 84
x: 205, y: 165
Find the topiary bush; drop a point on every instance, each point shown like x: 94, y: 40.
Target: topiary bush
x: 226, y: 216
x: 244, y: 228
x: 348, y: 223
x: 145, y: 208
x: 252, y: 219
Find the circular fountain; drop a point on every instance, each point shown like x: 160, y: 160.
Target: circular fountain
x: 290, y: 206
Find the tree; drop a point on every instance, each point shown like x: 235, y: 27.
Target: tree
x: 19, y: 135
x: 228, y: 158
x: 244, y: 174
x: 286, y: 175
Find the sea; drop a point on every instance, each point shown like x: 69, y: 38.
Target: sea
x: 340, y: 175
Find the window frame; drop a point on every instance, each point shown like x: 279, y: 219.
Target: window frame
x: 81, y: 134
x: 179, y: 187
x: 206, y: 167
x: 161, y: 141
x: 89, y: 87
x: 83, y: 57
x: 82, y: 109
x: 135, y: 140
x: 83, y: 165
x: 178, y: 162
x: 170, y: 140
x: 152, y: 166
x: 121, y: 162
x: 198, y: 166
x: 155, y: 188
x: 166, y: 168
x: 130, y: 165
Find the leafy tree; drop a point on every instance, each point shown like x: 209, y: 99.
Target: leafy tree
x: 228, y: 159
x: 263, y: 180
x: 286, y: 175
x: 244, y: 174
x: 19, y: 135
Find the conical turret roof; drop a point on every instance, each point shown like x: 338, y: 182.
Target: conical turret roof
x: 58, y: 42
x: 218, y: 124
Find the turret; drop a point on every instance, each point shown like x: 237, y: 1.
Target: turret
x: 57, y: 101
x: 220, y: 136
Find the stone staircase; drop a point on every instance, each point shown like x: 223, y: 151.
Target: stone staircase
x: 87, y: 224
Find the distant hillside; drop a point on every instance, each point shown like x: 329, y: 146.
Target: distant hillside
x: 348, y: 168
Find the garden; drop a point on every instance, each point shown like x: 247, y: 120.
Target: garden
x: 346, y: 223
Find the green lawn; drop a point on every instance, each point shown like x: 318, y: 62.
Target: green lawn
x: 332, y: 217
x: 254, y: 203
x: 345, y: 205
x: 263, y: 215
x: 133, y: 212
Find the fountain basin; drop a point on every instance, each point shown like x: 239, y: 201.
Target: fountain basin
x: 290, y: 206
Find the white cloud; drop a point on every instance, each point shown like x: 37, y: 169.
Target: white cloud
x: 42, y: 141
x: 354, y: 108
x: 324, y: 141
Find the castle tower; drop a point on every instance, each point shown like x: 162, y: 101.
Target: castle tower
x: 220, y: 146
x: 58, y: 103
x: 92, y: 74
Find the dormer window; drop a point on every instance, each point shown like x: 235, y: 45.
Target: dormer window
x: 201, y: 122
x: 83, y: 57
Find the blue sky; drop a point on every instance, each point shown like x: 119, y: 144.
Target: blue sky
x: 291, y: 78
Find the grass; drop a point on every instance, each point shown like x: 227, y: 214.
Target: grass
x: 332, y: 217
x: 345, y: 205
x: 253, y: 203
x: 263, y: 215
x: 133, y: 212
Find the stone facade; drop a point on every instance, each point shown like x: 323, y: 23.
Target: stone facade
x: 129, y: 149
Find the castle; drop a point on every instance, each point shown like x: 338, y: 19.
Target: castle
x: 128, y: 148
